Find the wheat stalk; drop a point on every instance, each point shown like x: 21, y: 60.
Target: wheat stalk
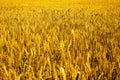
x: 71, y: 42
x: 63, y: 73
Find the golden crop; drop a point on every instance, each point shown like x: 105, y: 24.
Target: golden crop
x: 59, y: 44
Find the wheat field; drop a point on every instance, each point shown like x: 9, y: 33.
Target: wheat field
x: 73, y: 43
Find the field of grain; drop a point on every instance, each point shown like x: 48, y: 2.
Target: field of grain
x: 81, y: 43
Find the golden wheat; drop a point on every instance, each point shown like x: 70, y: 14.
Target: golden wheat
x: 60, y: 44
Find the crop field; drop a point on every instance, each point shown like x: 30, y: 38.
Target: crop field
x: 38, y: 43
